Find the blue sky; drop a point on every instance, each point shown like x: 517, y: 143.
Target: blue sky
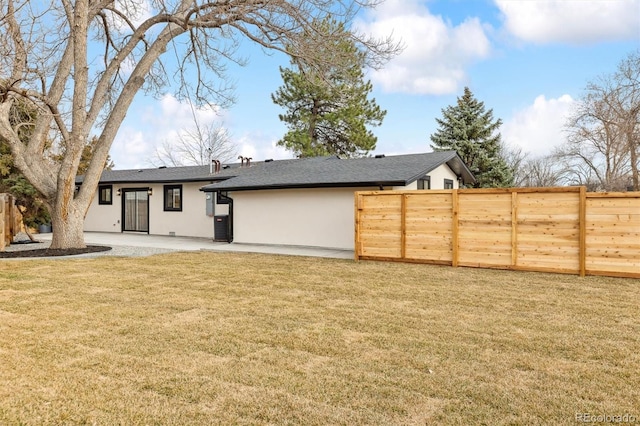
x: 527, y: 60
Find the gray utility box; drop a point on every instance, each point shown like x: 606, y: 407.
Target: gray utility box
x: 221, y: 228
x: 210, y: 204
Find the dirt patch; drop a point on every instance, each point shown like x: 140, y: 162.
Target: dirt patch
x: 48, y: 252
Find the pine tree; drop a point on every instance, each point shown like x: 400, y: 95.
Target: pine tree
x: 85, y: 157
x: 327, y: 107
x: 28, y: 200
x: 471, y: 130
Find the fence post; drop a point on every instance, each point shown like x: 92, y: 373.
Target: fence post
x: 583, y: 231
x: 403, y: 226
x: 3, y: 206
x: 455, y: 257
x: 356, y: 247
x: 13, y: 230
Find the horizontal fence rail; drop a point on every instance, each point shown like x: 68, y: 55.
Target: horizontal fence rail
x: 564, y: 230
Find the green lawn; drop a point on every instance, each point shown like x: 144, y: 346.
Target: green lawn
x: 206, y: 338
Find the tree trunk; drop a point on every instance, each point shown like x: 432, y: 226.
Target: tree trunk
x: 26, y: 231
x: 68, y: 225
x: 67, y: 233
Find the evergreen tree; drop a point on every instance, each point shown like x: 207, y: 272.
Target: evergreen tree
x: 471, y: 130
x: 85, y: 157
x: 28, y: 200
x: 31, y: 203
x: 327, y: 106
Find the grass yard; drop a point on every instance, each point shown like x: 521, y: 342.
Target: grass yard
x: 206, y: 338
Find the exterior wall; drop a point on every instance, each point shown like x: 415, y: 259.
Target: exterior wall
x: 192, y: 221
x: 412, y: 185
x: 441, y: 173
x: 438, y: 175
x: 104, y: 217
x: 322, y: 217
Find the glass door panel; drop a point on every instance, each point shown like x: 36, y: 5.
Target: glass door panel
x: 136, y: 210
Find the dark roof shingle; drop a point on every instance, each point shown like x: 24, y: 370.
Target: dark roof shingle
x: 330, y: 171
x: 166, y: 174
x: 397, y: 170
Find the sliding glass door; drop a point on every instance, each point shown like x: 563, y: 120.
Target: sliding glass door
x: 135, y: 210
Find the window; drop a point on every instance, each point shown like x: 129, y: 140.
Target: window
x: 173, y: 198
x: 424, y: 183
x: 448, y: 184
x: 105, y: 194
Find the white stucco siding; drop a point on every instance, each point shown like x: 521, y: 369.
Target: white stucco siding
x: 192, y: 221
x: 104, y: 217
x: 439, y: 174
x: 412, y: 185
x: 322, y: 217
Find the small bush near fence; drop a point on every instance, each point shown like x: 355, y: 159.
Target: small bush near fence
x: 563, y: 230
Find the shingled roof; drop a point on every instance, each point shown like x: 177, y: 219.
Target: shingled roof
x: 316, y: 172
x: 166, y: 175
x: 326, y: 172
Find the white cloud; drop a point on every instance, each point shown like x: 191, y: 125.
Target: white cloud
x: 436, y: 52
x: 538, y: 129
x: 575, y: 22
x: 131, y: 149
x: 148, y: 127
x: 260, y: 147
x: 180, y: 114
x: 136, y: 12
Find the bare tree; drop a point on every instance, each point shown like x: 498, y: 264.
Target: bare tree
x: 197, y: 147
x: 539, y: 172
x: 515, y: 157
x: 603, y: 132
x: 542, y: 172
x: 80, y: 63
x: 625, y: 102
x: 579, y: 173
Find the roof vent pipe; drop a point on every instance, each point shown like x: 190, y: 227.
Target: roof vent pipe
x: 248, y: 161
x: 241, y: 160
x: 218, y: 164
x: 211, y: 166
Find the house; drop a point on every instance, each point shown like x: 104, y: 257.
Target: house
x: 307, y: 202
x: 158, y: 201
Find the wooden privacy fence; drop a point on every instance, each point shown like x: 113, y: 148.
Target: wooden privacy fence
x: 10, y: 220
x: 563, y: 230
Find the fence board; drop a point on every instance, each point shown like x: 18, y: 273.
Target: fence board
x: 534, y: 229
x: 613, y: 234
x: 485, y: 235
x: 3, y: 210
x: 10, y: 220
